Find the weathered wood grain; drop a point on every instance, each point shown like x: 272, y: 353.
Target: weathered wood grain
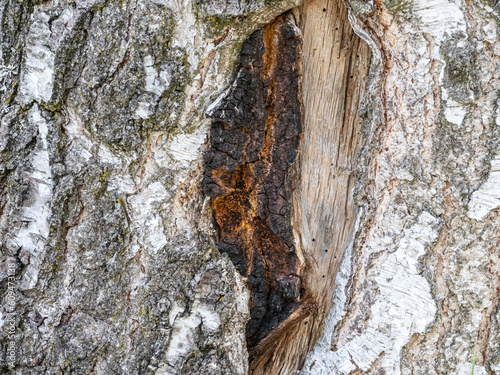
x: 335, y: 63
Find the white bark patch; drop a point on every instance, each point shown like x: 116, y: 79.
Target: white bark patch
x: 403, y: 306
x: 34, y: 233
x: 466, y: 369
x: 144, y: 208
x: 439, y: 17
x: 455, y: 112
x: 156, y: 82
x: 181, y: 342
x: 185, y: 32
x: 42, y: 42
x: 442, y: 18
x: 487, y: 197
x: 184, y: 148
x: 204, y: 317
x: 39, y: 73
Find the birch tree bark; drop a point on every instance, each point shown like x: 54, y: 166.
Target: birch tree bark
x: 106, y: 235
x: 422, y: 280
x: 254, y: 186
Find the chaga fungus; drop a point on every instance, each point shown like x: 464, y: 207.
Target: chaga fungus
x: 254, y: 140
x: 290, y: 80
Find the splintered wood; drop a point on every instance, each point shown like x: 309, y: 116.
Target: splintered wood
x: 280, y: 172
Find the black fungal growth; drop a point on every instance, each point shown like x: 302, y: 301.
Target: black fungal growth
x: 254, y: 140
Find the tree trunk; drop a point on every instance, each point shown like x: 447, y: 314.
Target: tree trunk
x: 264, y: 187
x: 422, y: 281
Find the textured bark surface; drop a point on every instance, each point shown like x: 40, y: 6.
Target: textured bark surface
x: 174, y: 200
x: 104, y: 226
x: 423, y: 278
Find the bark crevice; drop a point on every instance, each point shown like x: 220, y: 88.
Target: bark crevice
x: 282, y: 200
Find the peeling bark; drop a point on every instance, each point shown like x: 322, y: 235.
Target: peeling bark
x: 423, y: 284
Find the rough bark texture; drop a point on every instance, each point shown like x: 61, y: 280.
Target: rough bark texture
x: 254, y: 140
x: 424, y: 271
x: 175, y: 200
x: 104, y: 225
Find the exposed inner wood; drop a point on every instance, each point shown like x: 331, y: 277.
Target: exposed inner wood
x: 283, y: 203
x: 335, y: 63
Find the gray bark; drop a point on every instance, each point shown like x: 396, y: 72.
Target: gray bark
x: 103, y: 221
x: 110, y: 260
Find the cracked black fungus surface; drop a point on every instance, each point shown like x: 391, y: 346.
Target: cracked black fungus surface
x: 254, y: 139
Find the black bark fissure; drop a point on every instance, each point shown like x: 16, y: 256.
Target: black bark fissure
x: 254, y: 140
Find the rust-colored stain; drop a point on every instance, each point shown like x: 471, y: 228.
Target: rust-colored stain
x: 254, y: 140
